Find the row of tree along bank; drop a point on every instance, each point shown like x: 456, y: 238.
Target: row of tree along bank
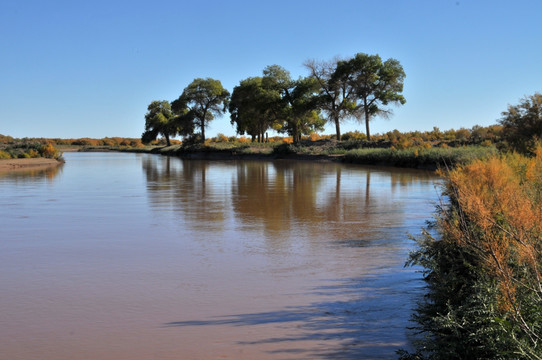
x: 520, y: 128
x: 357, y: 88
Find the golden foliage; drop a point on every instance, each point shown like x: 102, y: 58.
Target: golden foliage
x: 500, y: 218
x: 288, y: 140
x: 314, y: 136
x: 49, y: 151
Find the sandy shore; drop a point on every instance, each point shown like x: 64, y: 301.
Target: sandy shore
x: 27, y: 164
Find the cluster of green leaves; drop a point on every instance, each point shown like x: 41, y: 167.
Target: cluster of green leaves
x: 522, y: 123
x: 276, y: 101
x: 199, y: 103
x: 358, y: 87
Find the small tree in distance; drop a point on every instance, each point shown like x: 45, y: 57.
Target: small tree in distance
x: 373, y: 84
x: 296, y: 104
x: 202, y: 99
x: 335, y: 95
x: 522, y: 123
x: 250, y: 109
x: 159, y: 121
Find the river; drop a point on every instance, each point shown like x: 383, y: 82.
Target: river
x: 140, y: 256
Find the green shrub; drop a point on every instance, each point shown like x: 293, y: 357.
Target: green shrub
x: 4, y: 155
x: 419, y: 157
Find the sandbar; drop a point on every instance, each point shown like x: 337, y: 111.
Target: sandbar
x: 27, y: 164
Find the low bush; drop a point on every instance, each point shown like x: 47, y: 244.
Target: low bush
x: 49, y: 151
x: 483, y: 264
x: 419, y: 157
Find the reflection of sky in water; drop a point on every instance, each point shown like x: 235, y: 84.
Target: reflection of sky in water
x: 131, y: 255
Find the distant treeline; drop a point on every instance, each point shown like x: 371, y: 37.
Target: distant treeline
x: 478, y: 135
x: 107, y: 141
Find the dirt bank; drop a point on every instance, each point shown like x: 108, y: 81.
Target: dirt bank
x: 26, y: 164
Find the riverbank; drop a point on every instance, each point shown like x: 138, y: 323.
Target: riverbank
x: 27, y: 164
x: 415, y: 158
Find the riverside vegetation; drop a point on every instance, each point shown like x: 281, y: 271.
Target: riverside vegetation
x: 11, y: 148
x: 482, y: 255
x: 483, y: 263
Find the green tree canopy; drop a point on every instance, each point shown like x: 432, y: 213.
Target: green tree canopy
x: 296, y: 102
x: 251, y: 108
x: 202, y: 99
x: 373, y: 83
x: 522, y: 123
x: 159, y: 121
x: 335, y: 93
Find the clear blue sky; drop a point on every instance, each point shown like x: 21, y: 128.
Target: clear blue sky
x: 89, y: 68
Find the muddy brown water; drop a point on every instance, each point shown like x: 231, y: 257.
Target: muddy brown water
x: 138, y: 256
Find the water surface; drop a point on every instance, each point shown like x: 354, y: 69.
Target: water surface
x: 137, y: 256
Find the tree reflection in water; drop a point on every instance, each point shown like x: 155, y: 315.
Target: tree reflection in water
x: 283, y: 200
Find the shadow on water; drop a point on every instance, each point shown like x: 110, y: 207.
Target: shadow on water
x: 367, y: 325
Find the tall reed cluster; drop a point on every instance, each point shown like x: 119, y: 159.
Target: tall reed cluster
x: 483, y: 264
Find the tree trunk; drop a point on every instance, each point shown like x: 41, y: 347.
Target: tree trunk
x: 366, y: 119
x: 367, y: 126
x: 202, y: 125
x: 337, y: 129
x: 166, y: 135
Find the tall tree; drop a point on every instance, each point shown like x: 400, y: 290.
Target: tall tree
x: 522, y: 123
x: 335, y: 94
x: 250, y: 108
x: 374, y: 84
x: 159, y: 121
x: 204, y: 99
x: 296, y: 104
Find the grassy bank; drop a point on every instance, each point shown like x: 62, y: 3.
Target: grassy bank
x: 421, y: 158
x: 391, y: 149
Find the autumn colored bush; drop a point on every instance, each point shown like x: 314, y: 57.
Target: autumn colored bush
x: 314, y: 136
x: 353, y: 135
x: 288, y: 140
x: 484, y: 269
x: 49, y: 151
